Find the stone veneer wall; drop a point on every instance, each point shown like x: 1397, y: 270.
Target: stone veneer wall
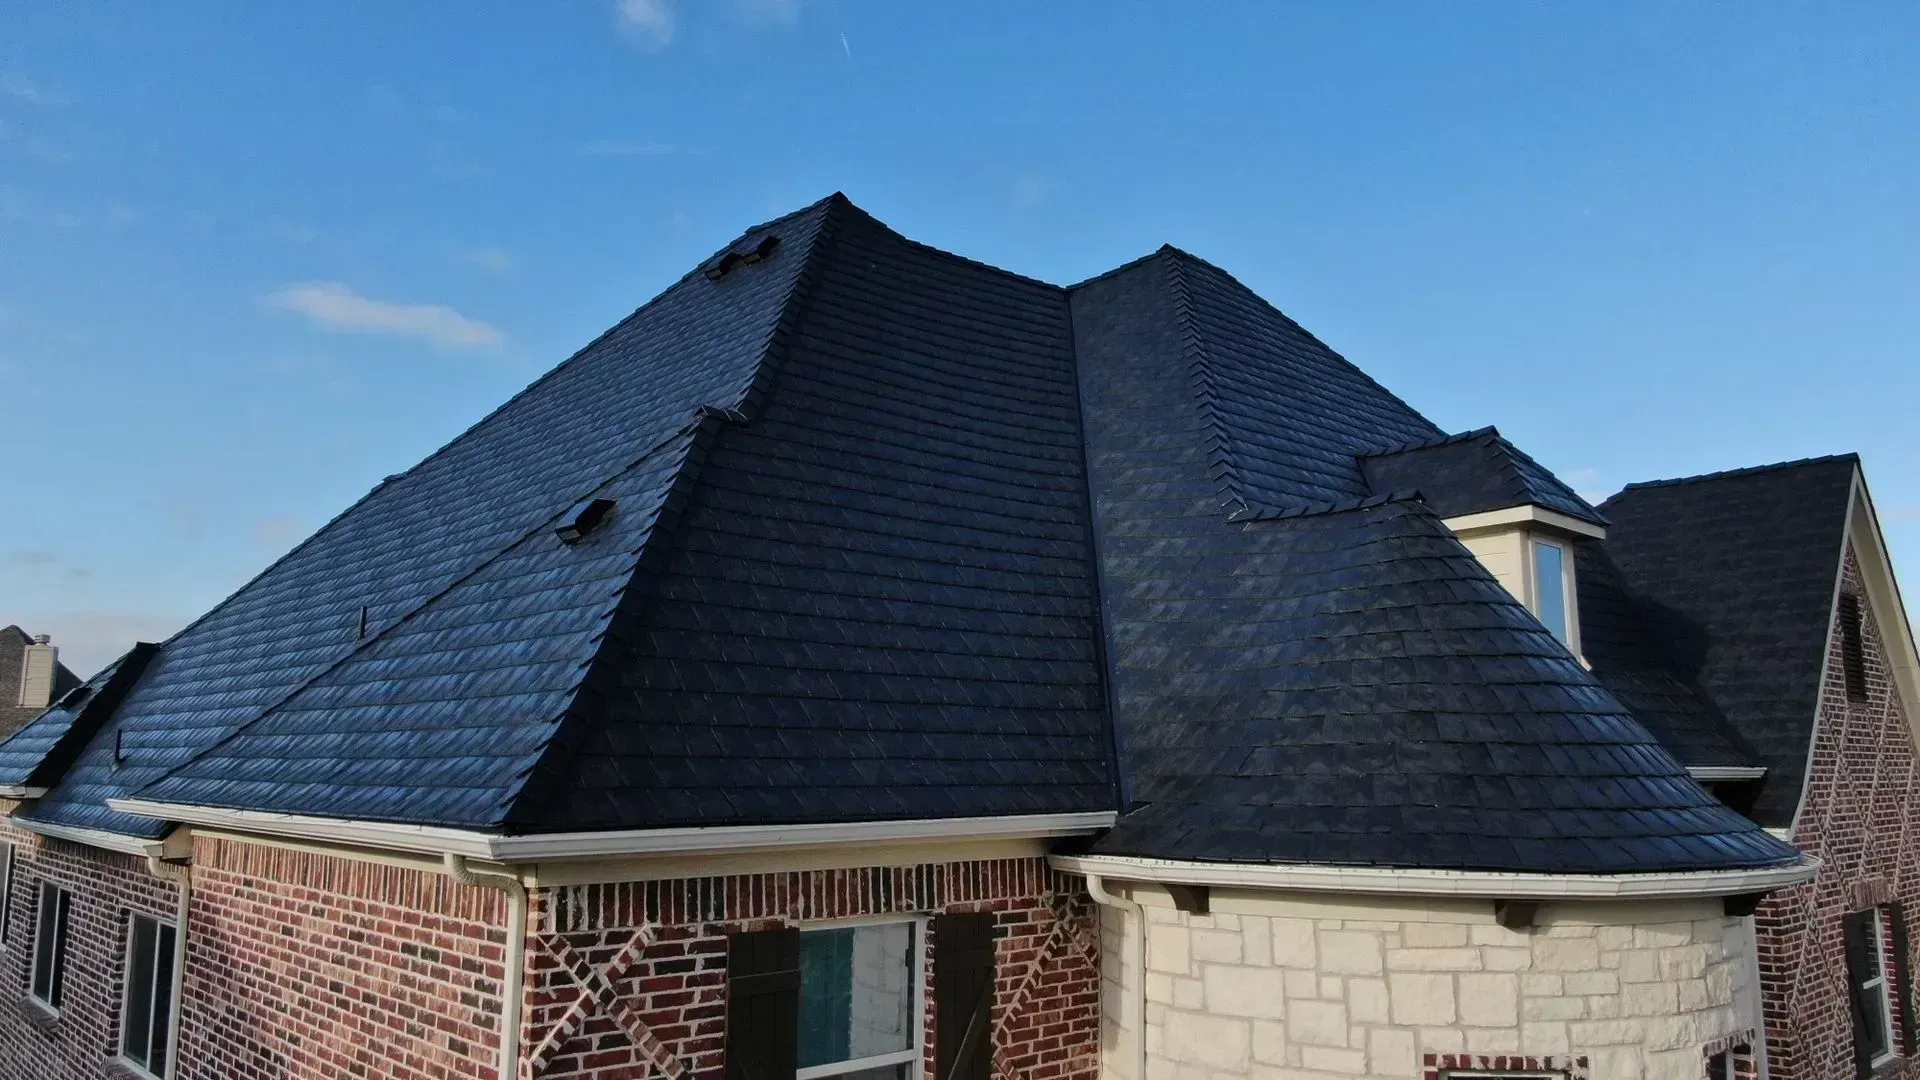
x: 1286, y: 985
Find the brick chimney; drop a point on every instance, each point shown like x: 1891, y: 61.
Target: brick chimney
x: 36, y: 673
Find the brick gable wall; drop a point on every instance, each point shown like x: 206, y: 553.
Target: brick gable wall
x: 107, y: 888
x: 663, y: 946
x: 1861, y: 819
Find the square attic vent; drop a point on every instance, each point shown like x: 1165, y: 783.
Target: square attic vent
x: 590, y: 517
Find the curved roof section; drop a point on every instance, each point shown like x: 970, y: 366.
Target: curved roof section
x: 1339, y: 687
x: 1735, y: 574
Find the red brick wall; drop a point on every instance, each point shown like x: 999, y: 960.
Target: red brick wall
x: 106, y: 889
x: 1861, y: 818
x: 304, y: 966
x: 1045, y: 1010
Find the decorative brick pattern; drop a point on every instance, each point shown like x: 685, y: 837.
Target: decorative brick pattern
x: 1861, y: 819
x: 1441, y: 1066
x: 1045, y: 1011
x: 107, y: 889
x: 1358, y: 987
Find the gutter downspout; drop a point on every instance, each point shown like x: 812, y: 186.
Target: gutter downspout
x: 1097, y: 889
x: 513, y: 984
x: 181, y: 875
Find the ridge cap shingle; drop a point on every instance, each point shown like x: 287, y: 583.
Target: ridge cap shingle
x: 1747, y: 470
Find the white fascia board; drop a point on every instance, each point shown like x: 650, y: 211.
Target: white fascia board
x: 20, y: 791
x: 1710, y: 773
x: 578, y: 845
x: 1529, y: 514
x: 1495, y: 886
x: 99, y: 838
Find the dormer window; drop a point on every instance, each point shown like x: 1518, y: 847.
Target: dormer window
x: 1552, y: 584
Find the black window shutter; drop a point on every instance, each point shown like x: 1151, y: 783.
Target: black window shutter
x: 1902, y: 985
x: 763, y: 1005
x: 963, y: 996
x: 1853, y: 927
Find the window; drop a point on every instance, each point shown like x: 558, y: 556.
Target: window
x: 1550, y: 575
x: 1866, y: 934
x: 1853, y: 648
x: 860, y: 1002
x: 6, y: 888
x: 147, y: 1012
x: 50, y: 945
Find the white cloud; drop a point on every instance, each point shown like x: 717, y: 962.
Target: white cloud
x: 649, y: 22
x: 19, y: 89
x: 337, y: 307
x: 627, y: 148
x: 492, y: 260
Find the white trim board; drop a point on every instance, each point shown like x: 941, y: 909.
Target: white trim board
x: 1528, y: 514
x: 99, y: 838
x: 1707, y: 774
x: 580, y: 845
x: 21, y: 791
x: 1476, y: 883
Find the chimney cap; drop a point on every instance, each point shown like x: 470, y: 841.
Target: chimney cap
x: 43, y: 639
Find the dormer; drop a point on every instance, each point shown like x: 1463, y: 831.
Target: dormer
x: 1518, y: 519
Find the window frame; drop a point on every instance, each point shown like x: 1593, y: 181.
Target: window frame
x: 171, y: 989
x: 1880, y: 984
x: 56, y: 956
x: 7, y: 862
x: 917, y: 994
x: 1569, y: 599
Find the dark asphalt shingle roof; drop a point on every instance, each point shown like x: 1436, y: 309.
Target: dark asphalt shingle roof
x: 1349, y: 686
x: 873, y: 500
x: 1734, y: 575
x: 1472, y: 472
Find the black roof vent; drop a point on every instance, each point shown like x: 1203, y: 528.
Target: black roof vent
x: 74, y: 698
x: 724, y: 265
x: 588, y: 519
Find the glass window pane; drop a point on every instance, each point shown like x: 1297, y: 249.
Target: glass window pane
x: 64, y: 900
x: 856, y: 993
x: 163, y: 1000
x: 136, y: 1026
x: 43, y: 950
x: 1550, y: 588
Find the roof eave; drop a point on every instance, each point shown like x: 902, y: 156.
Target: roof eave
x: 1493, y: 885
x: 1526, y: 514
x: 434, y: 840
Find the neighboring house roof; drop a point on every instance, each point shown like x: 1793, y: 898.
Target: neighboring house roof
x: 1472, y: 472
x: 13, y: 716
x: 1733, y: 574
x: 854, y: 574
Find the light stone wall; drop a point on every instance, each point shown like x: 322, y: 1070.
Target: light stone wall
x: 1274, y: 985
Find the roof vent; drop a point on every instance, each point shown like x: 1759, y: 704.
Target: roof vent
x: 75, y: 697
x: 724, y: 265
x: 590, y: 517
x: 37, y: 673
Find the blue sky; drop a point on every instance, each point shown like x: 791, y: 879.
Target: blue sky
x: 255, y: 257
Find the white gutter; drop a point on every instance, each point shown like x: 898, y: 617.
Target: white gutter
x: 181, y: 875
x: 1097, y: 889
x: 513, y: 983
x: 21, y: 791
x: 99, y: 838
x: 1707, y: 774
x: 583, y: 845
x: 1492, y: 885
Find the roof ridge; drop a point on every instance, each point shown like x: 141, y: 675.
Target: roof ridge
x: 1429, y: 444
x: 1179, y: 254
x: 562, y: 745
x: 1122, y: 268
x: 1565, y: 487
x: 703, y: 415
x: 1200, y: 373
x: 549, y: 374
x: 1747, y: 470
